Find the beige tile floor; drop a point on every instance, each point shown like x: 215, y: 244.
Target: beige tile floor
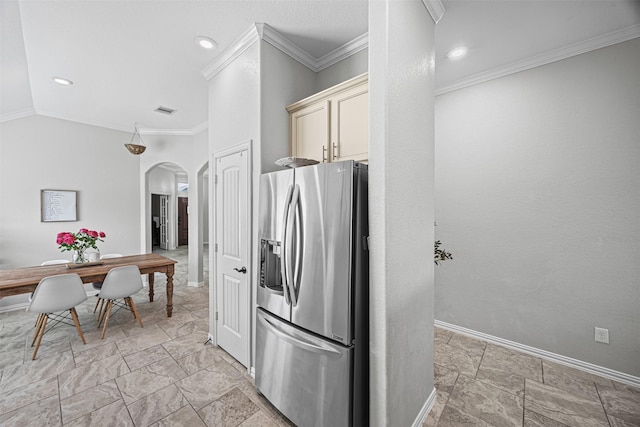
x: 160, y: 375
x: 481, y: 384
x: 164, y: 375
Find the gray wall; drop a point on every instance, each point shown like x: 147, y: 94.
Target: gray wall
x: 283, y: 81
x: 538, y: 198
x: 339, y: 72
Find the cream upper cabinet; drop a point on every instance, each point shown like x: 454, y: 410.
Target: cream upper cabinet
x: 332, y: 125
x: 310, y: 131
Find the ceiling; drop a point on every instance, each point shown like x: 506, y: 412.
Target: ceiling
x: 126, y: 58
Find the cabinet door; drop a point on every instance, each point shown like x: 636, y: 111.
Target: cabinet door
x: 310, y: 132
x: 350, y: 125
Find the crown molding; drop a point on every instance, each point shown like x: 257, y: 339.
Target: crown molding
x: 235, y: 49
x: 17, y: 115
x: 279, y: 41
x: 200, y: 127
x: 343, y: 52
x: 574, y: 49
x: 172, y: 132
x: 268, y: 34
x: 436, y: 9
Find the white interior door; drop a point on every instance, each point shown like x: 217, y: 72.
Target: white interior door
x: 164, y: 219
x: 232, y: 254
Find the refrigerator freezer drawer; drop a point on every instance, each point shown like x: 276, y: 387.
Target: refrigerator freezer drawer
x: 307, y: 378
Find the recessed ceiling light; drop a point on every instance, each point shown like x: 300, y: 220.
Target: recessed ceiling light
x: 457, y: 52
x: 62, y: 82
x: 206, y: 42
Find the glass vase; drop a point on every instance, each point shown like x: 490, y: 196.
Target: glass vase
x: 78, y: 256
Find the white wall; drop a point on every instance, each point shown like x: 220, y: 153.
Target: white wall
x: 401, y: 211
x: 234, y: 118
x: 201, y: 162
x: 38, y: 153
x: 538, y: 198
x: 189, y: 152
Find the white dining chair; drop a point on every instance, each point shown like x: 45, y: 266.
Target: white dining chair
x: 50, y: 262
x: 98, y: 285
x: 120, y: 283
x: 56, y: 294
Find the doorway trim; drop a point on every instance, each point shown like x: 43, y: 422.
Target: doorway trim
x: 247, y: 146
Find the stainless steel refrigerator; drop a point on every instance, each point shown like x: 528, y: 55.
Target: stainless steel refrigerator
x: 312, y: 342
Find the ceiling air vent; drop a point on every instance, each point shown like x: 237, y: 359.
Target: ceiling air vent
x: 165, y: 110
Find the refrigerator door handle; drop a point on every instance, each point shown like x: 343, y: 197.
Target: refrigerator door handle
x: 283, y: 254
x: 314, y: 346
x: 299, y: 245
x: 288, y: 243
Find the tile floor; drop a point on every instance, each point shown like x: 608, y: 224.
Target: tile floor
x: 160, y: 375
x: 481, y: 384
x: 163, y: 375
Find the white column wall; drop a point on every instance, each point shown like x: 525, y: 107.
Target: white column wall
x: 401, y: 204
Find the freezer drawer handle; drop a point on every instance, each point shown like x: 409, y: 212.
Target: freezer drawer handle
x: 243, y: 270
x: 298, y: 342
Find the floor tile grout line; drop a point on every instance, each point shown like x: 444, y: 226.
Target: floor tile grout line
x: 602, y: 403
x: 524, y: 399
x: 481, y: 359
x: 60, y: 399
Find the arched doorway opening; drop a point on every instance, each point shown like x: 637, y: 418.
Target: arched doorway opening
x: 166, y: 216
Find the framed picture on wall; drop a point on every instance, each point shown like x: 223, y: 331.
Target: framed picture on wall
x: 58, y: 205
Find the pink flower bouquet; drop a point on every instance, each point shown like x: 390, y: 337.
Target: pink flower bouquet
x: 80, y: 241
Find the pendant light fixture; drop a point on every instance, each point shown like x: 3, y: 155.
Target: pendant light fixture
x: 136, y: 148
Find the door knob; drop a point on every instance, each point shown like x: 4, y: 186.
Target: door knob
x: 243, y: 270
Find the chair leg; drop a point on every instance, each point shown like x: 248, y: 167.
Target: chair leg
x: 38, y: 320
x: 37, y: 328
x: 106, y: 320
x: 135, y: 311
x: 129, y: 301
x: 43, y: 325
x: 100, y: 300
x: 102, y: 311
x: 74, y: 315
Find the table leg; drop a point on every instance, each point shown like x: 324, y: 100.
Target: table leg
x: 169, y: 290
x: 151, y: 279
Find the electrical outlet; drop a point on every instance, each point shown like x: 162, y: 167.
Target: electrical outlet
x: 602, y: 335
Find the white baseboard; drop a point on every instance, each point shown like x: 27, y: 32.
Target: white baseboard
x: 547, y: 355
x: 14, y: 307
x: 426, y: 408
x: 195, y: 284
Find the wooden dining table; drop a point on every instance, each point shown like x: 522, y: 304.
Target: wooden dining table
x: 24, y: 280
